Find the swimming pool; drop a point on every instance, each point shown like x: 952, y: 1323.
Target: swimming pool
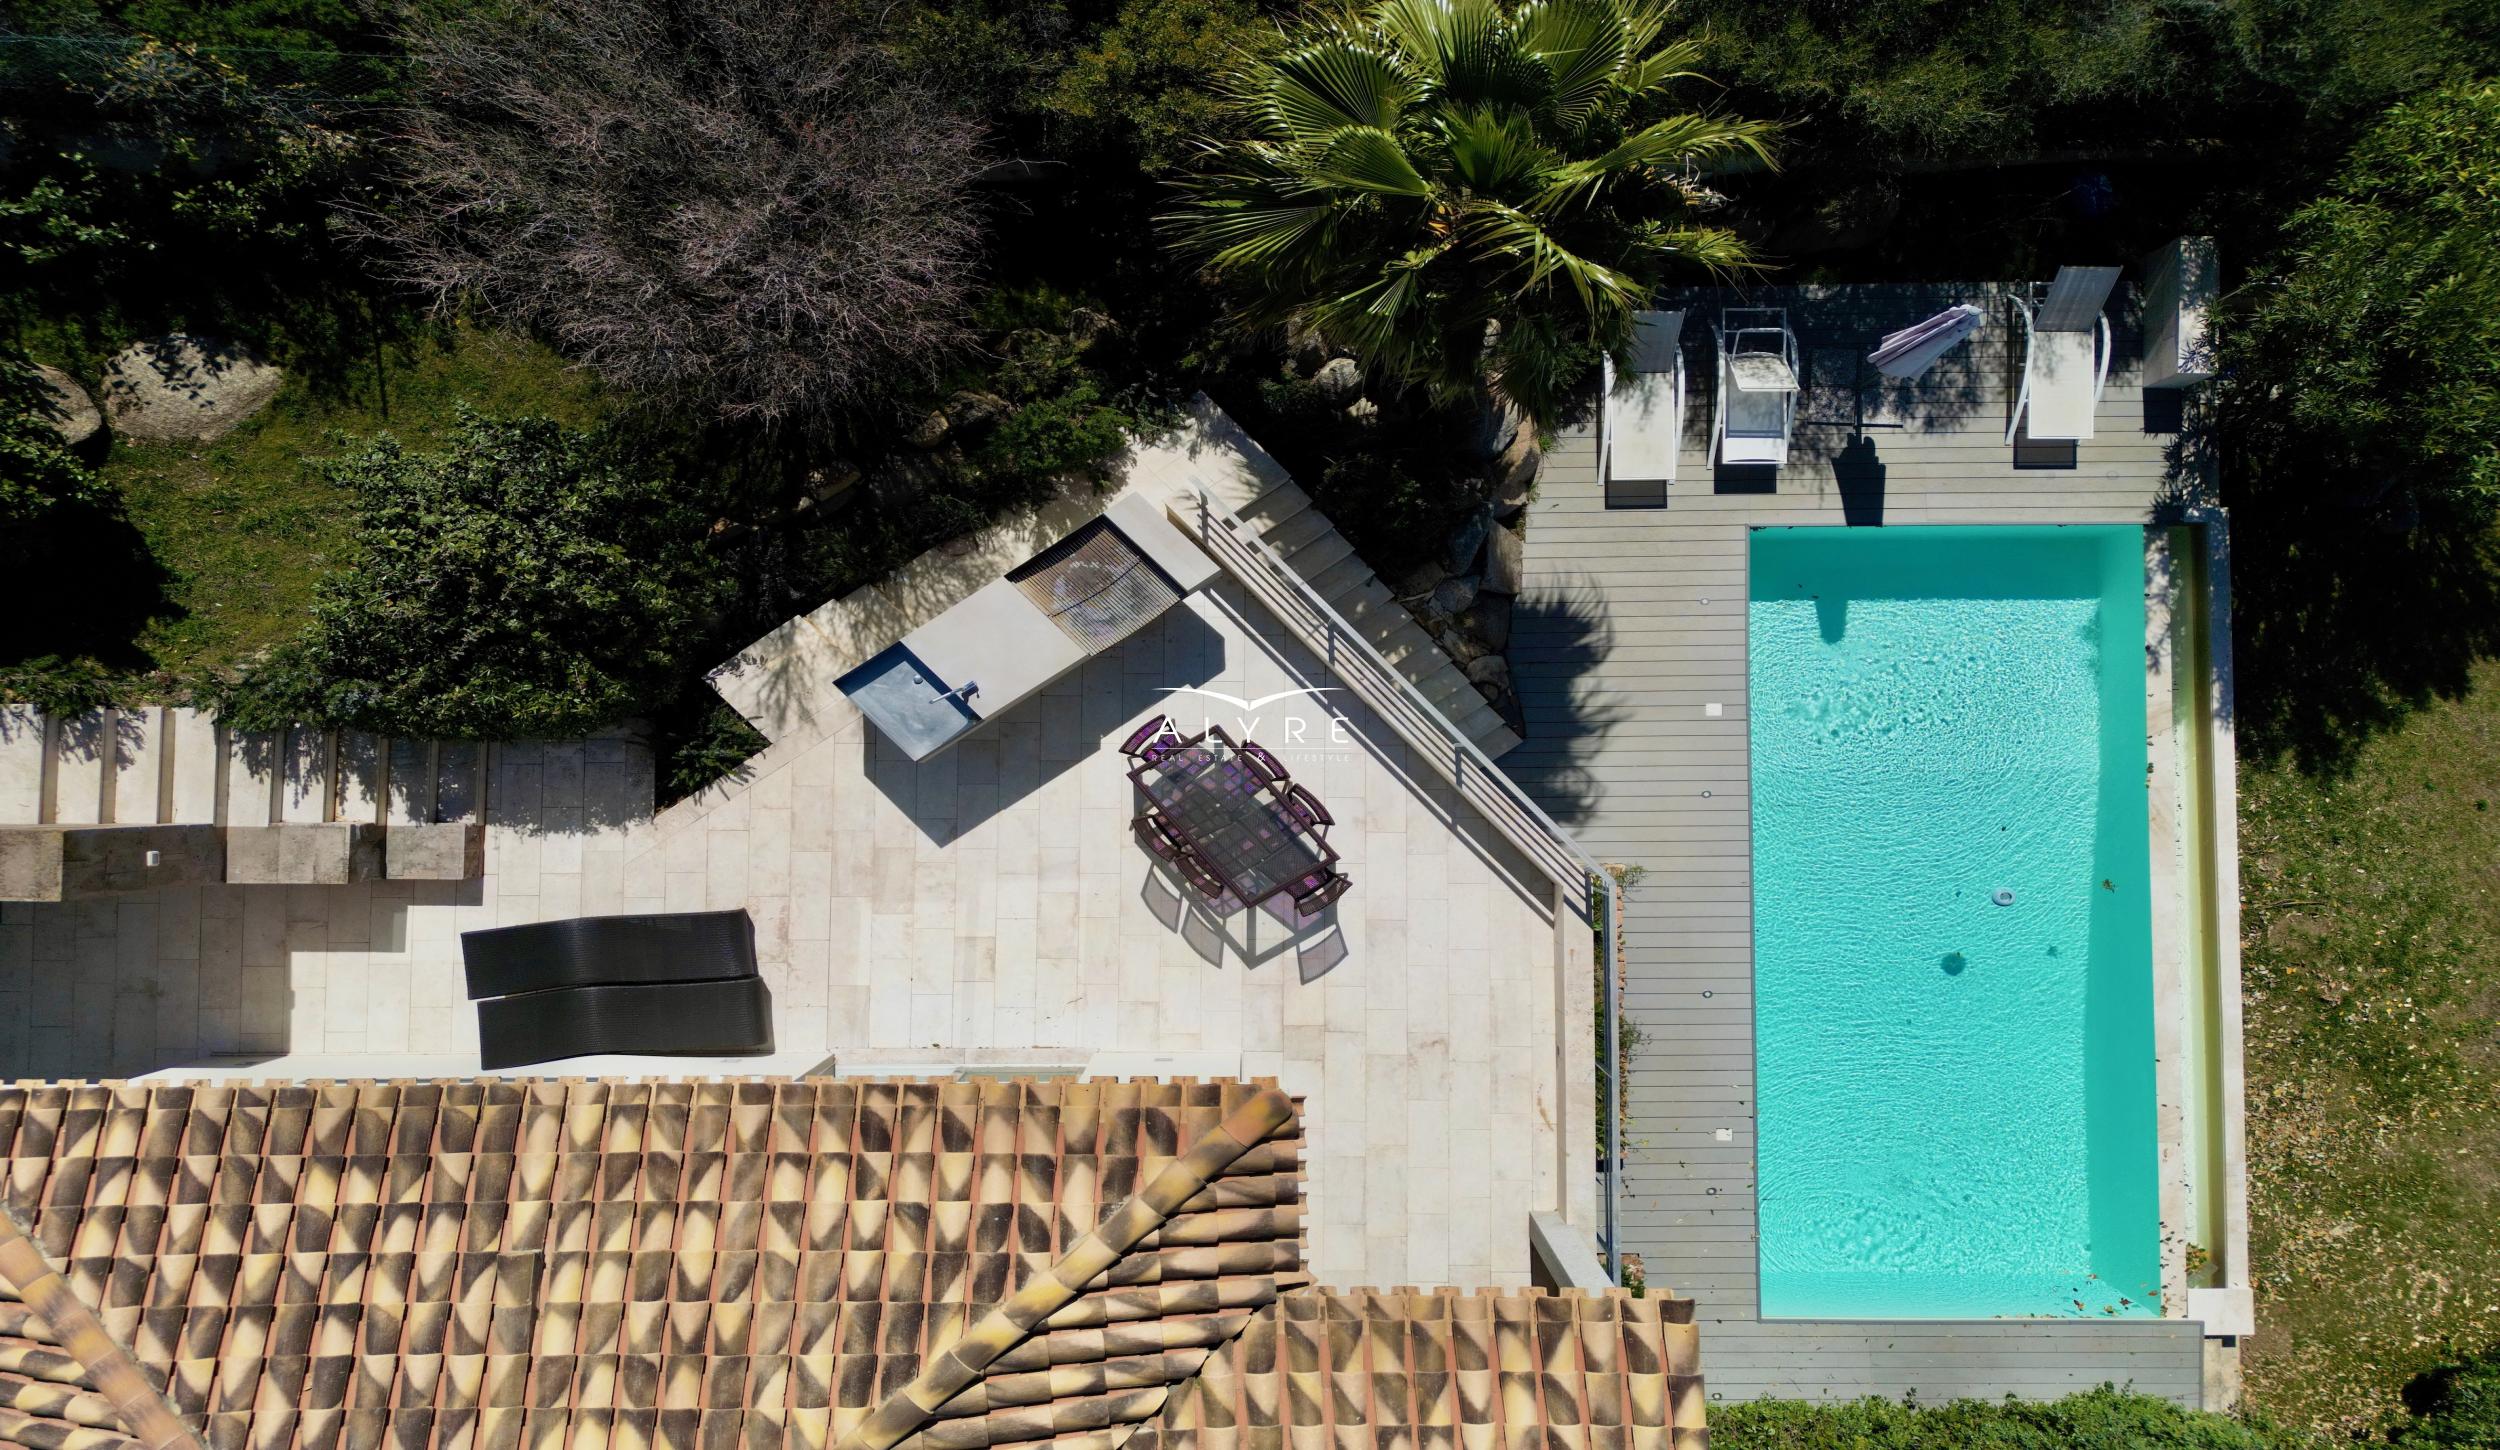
x: 1953, y: 1030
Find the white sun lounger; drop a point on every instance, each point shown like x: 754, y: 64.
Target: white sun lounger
x: 1642, y: 422
x: 2066, y: 352
x: 1757, y: 387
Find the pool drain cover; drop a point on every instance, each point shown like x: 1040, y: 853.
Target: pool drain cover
x: 2002, y: 896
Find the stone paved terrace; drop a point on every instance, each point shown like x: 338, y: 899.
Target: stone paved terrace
x: 989, y: 907
x: 1632, y: 623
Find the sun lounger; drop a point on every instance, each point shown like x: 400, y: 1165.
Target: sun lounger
x: 1757, y: 387
x: 2066, y: 348
x: 587, y: 950
x: 677, y: 1019
x: 1643, y: 417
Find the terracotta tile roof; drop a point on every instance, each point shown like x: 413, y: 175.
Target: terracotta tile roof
x: 1359, y: 1370
x: 815, y: 1264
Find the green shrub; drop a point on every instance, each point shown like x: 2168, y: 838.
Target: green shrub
x: 2367, y: 354
x: 526, y: 580
x: 2103, y: 1419
x: 43, y: 486
x: 700, y: 741
x: 1149, y: 82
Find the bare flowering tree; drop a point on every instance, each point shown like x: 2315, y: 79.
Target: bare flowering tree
x: 741, y: 204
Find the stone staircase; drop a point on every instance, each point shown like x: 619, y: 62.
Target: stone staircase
x: 1210, y: 451
x: 123, y: 799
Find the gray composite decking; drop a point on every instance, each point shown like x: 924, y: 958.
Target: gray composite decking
x: 1631, y: 623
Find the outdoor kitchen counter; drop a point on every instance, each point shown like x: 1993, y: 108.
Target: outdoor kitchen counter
x: 997, y: 640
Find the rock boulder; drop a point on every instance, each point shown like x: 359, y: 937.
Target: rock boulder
x: 180, y: 388
x: 67, y: 406
x: 1505, y: 561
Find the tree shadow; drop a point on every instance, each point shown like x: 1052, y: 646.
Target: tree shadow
x: 2355, y: 603
x: 100, y: 584
x: 1561, y: 635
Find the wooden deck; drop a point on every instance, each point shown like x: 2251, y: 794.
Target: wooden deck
x: 1632, y: 625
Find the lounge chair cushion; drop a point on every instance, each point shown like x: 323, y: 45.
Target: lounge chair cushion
x: 2062, y: 365
x: 1760, y: 372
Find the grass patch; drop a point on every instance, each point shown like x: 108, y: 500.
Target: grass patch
x: 242, y: 526
x: 2372, y: 982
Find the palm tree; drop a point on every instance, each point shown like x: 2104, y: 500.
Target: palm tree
x: 1409, y: 173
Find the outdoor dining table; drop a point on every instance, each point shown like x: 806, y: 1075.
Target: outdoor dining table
x: 1215, y: 805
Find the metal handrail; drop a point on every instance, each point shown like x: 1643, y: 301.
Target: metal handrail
x: 1471, y: 772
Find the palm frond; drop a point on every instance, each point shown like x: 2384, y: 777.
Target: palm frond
x: 1367, y: 158
x: 1444, y: 38
x: 1675, y: 142
x: 1492, y: 153
x: 1650, y: 72
x: 1274, y: 240
x: 1507, y: 232
x: 1304, y: 95
x: 1582, y: 44
x: 1715, y: 249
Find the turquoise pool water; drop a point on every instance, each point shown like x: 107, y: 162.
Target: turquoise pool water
x: 1956, y: 1114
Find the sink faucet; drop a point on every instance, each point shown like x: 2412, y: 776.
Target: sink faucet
x: 962, y: 694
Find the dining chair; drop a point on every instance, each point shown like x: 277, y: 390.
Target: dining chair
x: 1265, y: 769
x: 1156, y: 835
x: 1155, y: 739
x: 1311, y: 903
x: 1201, y: 880
x: 1306, y: 811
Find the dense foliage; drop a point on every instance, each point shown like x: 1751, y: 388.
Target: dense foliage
x: 2369, y: 351
x: 764, y: 216
x: 1995, y: 138
x: 524, y: 580
x: 2103, y: 1419
x: 149, y: 186
x: 43, y: 486
x: 1418, y: 172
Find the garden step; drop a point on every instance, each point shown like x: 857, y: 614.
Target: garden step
x: 252, y: 770
x: 192, y: 791
x: 1321, y: 554
x: 1210, y: 452
x: 82, y: 747
x: 141, y: 755
x: 21, y: 765
x: 1302, y: 529
x: 1341, y: 578
x: 1441, y: 683
x: 1273, y: 508
x: 1479, y: 720
x: 304, y: 765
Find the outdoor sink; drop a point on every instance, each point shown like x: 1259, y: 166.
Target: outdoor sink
x: 1012, y: 636
x: 914, y: 708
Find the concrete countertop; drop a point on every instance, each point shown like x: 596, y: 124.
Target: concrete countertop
x: 999, y: 641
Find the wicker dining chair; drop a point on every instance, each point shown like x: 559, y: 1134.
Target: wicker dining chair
x: 1201, y: 880
x: 1306, y: 811
x: 1154, y: 740
x: 1311, y: 903
x: 1156, y: 836
x: 1264, y: 768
